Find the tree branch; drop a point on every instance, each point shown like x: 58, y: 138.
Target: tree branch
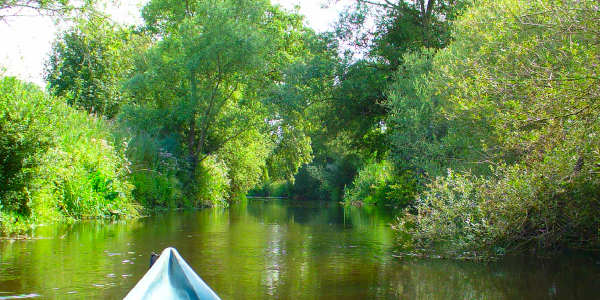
x: 387, y: 4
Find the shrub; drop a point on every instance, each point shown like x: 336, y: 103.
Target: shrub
x: 279, y: 188
x: 153, y: 189
x: 56, y: 162
x: 245, y: 158
x: 326, y: 179
x: 369, y: 184
x: 213, y: 183
x: 401, y: 190
x: 154, y: 169
x: 518, y: 89
x: 516, y: 210
x: 25, y: 135
x: 378, y: 183
x: 308, y: 184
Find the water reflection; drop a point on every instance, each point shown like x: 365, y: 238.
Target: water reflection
x: 274, y: 250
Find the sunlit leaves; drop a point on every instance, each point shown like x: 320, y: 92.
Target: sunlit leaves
x: 518, y: 92
x: 214, y: 72
x: 89, y: 63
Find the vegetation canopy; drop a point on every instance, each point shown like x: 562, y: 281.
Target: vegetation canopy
x: 477, y: 120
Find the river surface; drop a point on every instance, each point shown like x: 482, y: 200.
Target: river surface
x: 274, y: 249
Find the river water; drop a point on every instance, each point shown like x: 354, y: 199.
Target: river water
x: 274, y: 249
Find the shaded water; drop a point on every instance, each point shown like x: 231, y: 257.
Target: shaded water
x: 275, y: 250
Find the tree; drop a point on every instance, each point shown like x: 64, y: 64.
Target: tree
x: 401, y: 27
x: 54, y: 8
x: 357, y: 108
x: 298, y: 104
x: 89, y: 63
x: 517, y: 90
x: 212, y: 75
x: 353, y: 117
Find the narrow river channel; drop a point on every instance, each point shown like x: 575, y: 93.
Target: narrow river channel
x: 274, y: 249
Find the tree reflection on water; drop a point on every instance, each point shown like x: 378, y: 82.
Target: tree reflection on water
x: 275, y: 250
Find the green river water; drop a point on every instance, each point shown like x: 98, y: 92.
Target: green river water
x: 275, y: 249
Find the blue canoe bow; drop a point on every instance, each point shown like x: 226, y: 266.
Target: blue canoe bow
x: 170, y: 277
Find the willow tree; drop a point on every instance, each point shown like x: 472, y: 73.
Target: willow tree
x: 207, y: 80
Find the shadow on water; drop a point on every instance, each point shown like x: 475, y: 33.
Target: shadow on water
x: 275, y: 249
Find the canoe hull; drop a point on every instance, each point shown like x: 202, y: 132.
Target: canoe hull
x: 170, y: 277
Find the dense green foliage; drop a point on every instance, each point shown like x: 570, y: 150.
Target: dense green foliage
x: 89, y: 64
x: 378, y: 182
x: 57, y: 163
x: 478, y: 118
x: 210, y: 95
x: 512, y: 107
x: 207, y: 91
x: 354, y: 132
x: 370, y: 183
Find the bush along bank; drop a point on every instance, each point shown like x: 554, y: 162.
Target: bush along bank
x: 56, y: 163
x: 513, y: 144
